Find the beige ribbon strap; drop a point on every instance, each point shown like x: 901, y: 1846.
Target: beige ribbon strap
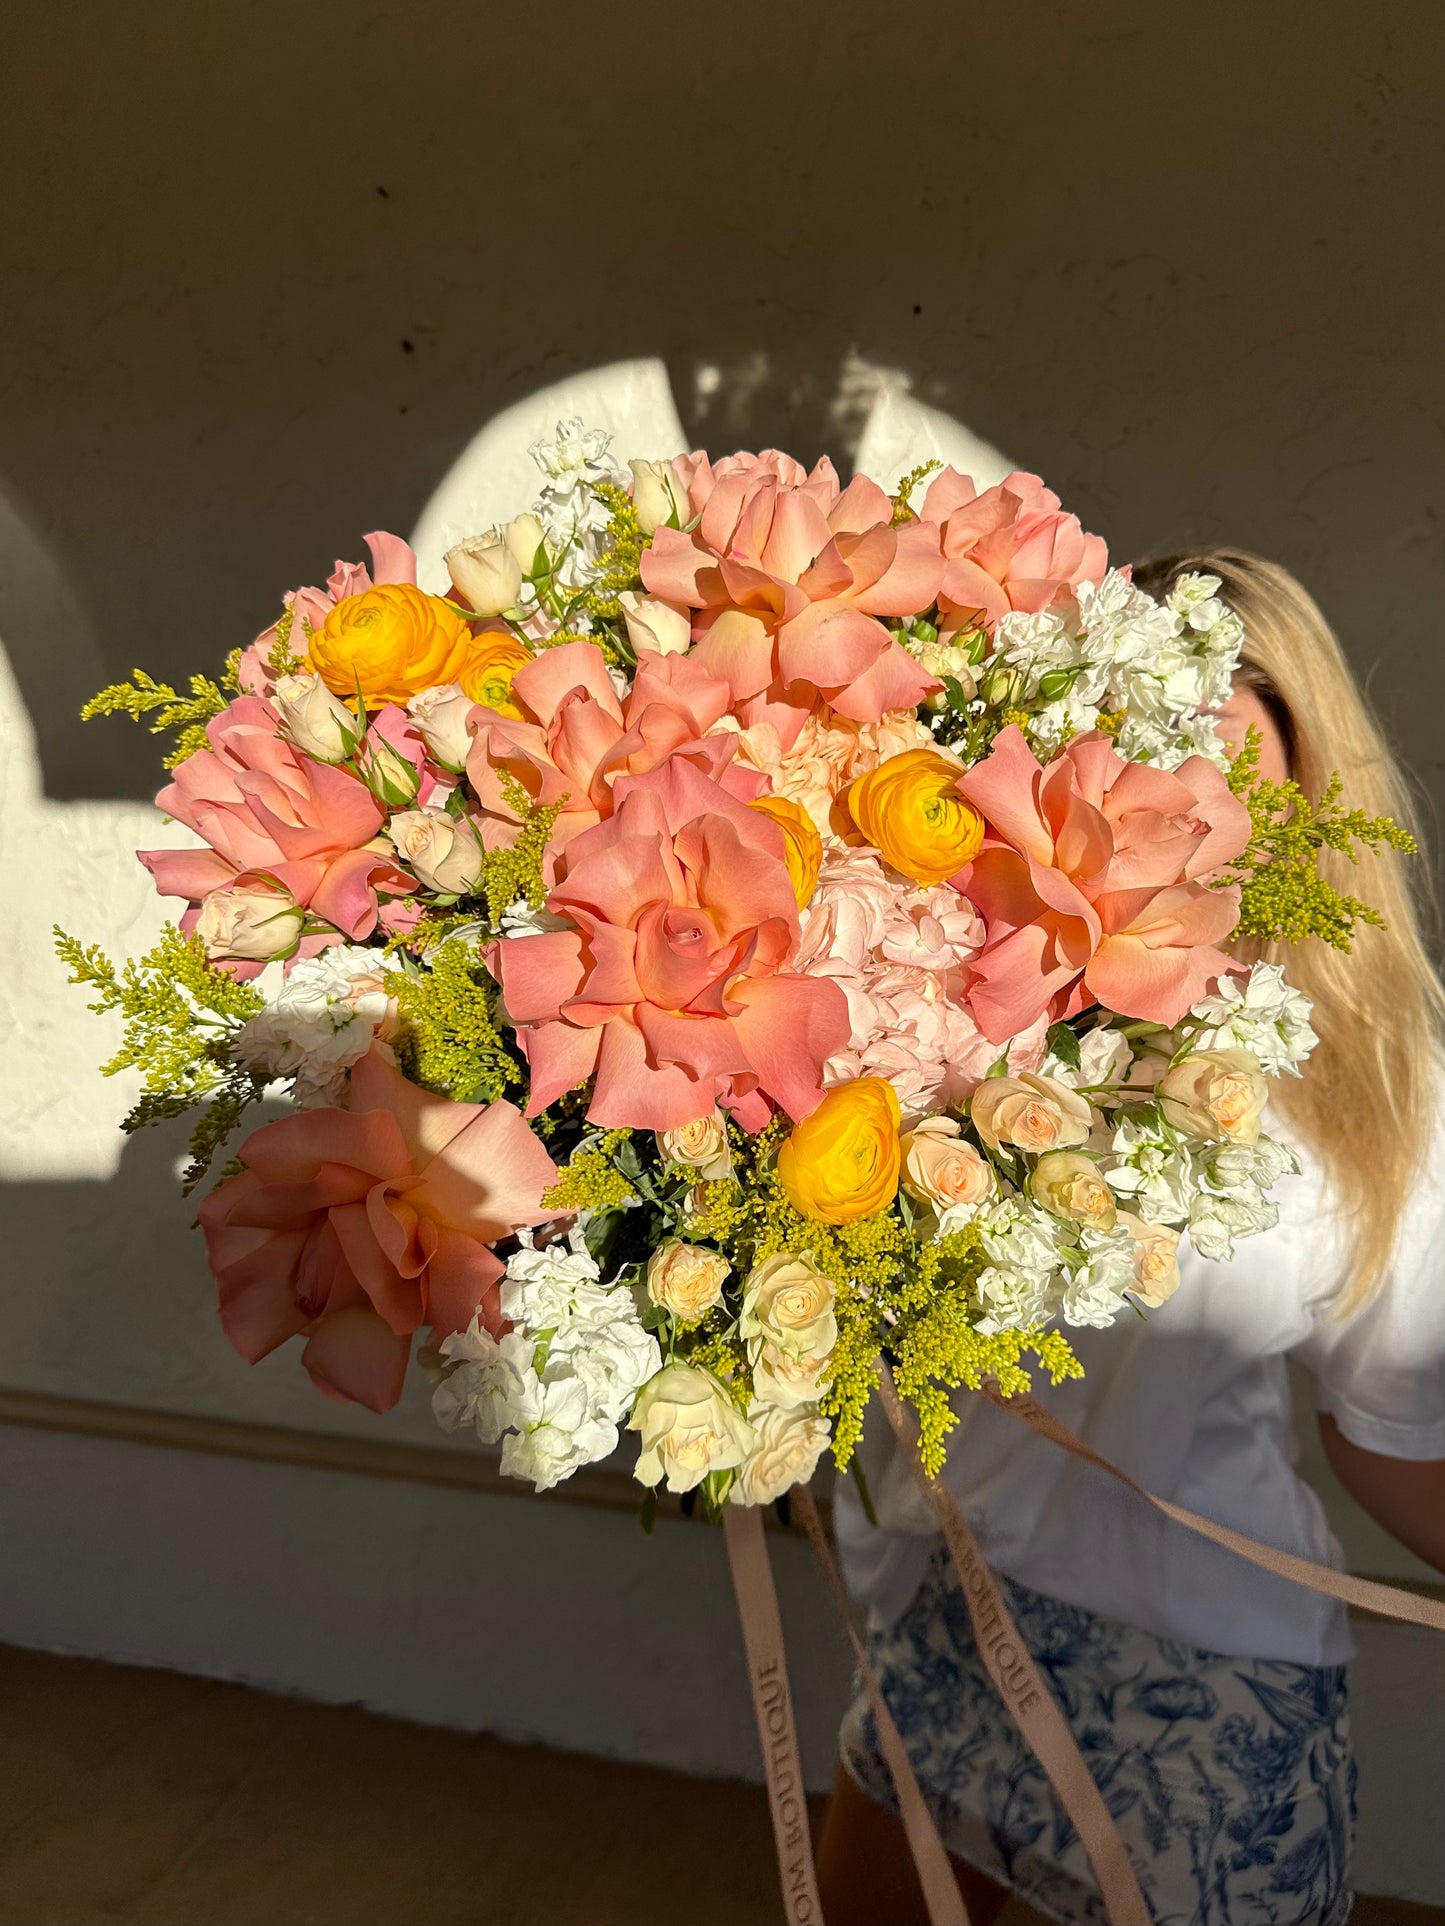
x: 935, y: 1875
x: 773, y: 1708
x: 1387, y: 1600
x: 1022, y: 1688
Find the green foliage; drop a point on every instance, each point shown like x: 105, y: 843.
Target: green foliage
x: 180, y: 1015
x: 186, y: 715
x: 1283, y: 897
x: 451, y: 1043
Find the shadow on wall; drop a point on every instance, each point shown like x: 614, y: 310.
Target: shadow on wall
x: 1193, y: 285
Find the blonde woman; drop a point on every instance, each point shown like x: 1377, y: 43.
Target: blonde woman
x: 1210, y: 1699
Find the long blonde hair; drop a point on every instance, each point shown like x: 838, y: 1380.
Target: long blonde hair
x: 1366, y: 1104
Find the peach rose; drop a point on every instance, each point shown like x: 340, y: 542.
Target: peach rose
x: 686, y: 1279
x: 941, y: 1170
x: 1156, y: 1259
x: 1072, y: 1187
x: 1030, y: 1112
x: 700, y: 1146
x: 1215, y: 1094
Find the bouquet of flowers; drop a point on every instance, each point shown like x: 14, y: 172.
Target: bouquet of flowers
x: 747, y: 925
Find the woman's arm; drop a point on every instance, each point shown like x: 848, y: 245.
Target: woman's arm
x: 1405, y: 1495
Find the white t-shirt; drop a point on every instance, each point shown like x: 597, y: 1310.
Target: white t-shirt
x: 1193, y: 1401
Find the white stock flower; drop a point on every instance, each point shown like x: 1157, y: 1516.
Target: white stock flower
x: 521, y: 919
x: 557, y: 1431
x: 1260, y: 1013
x: 1023, y: 1282
x: 1149, y: 1169
x: 1104, y: 1058
x: 785, y: 1452
x: 1093, y: 1292
x: 489, y: 1382
x: 325, y: 1017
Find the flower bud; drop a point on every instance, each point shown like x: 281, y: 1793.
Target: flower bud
x: 443, y: 852
x: 1156, y: 1259
x: 389, y: 776
x: 941, y: 1169
x: 1071, y: 1186
x: 485, y: 573
x: 659, y: 495
x: 523, y: 535
x: 440, y: 717
x: 1215, y: 1094
x: 655, y: 627
x: 315, y: 722
x: 686, y: 1279
x: 249, y: 923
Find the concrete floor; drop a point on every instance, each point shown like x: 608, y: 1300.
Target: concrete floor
x: 141, y: 1798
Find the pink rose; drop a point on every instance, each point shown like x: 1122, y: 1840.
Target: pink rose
x: 1092, y: 880
x: 271, y: 815
x: 674, y: 987
x: 1011, y: 547
x: 576, y: 737
x: 353, y: 1228
x: 787, y: 576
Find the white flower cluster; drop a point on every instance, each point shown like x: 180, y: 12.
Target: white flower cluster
x: 574, y: 521
x: 1041, y: 1268
x: 558, y: 1385
x: 1260, y: 1013
x: 1218, y: 1191
x: 1163, y: 664
x: 326, y: 1015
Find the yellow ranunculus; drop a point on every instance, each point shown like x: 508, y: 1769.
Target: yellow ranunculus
x: 802, y: 845
x: 842, y: 1162
x: 910, y: 810
x: 487, y: 678
x: 390, y: 642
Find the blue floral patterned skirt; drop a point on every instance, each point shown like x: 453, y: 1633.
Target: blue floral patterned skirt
x: 1232, y: 1780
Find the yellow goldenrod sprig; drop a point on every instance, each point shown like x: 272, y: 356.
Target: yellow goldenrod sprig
x: 450, y: 1042
x: 169, y: 710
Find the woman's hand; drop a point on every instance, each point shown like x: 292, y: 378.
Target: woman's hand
x: 1405, y: 1495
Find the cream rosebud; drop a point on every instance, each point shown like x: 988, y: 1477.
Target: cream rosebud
x: 443, y: 852
x: 390, y: 777
x: 941, y: 1170
x: 655, y: 627
x: 1030, y: 1112
x: 788, y: 1301
x: 1214, y: 1094
x: 1156, y: 1259
x: 315, y: 721
x: 700, y: 1146
x: 485, y: 573
x: 786, y: 1448
x: 523, y: 535
x: 249, y: 923
x: 658, y: 494
x: 440, y: 715
x: 786, y: 1380
x: 1072, y: 1187
x: 686, y: 1279
x: 689, y: 1426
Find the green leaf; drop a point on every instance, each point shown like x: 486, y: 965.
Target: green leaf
x: 647, y: 1516
x: 1063, y: 1043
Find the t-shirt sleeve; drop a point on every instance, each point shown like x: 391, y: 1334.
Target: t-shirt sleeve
x: 1381, y: 1369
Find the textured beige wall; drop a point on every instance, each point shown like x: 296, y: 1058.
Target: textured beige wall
x: 269, y: 265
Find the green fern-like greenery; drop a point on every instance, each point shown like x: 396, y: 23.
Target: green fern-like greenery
x: 168, y: 709
x: 1283, y: 897
x: 180, y: 1014
x: 451, y: 1043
